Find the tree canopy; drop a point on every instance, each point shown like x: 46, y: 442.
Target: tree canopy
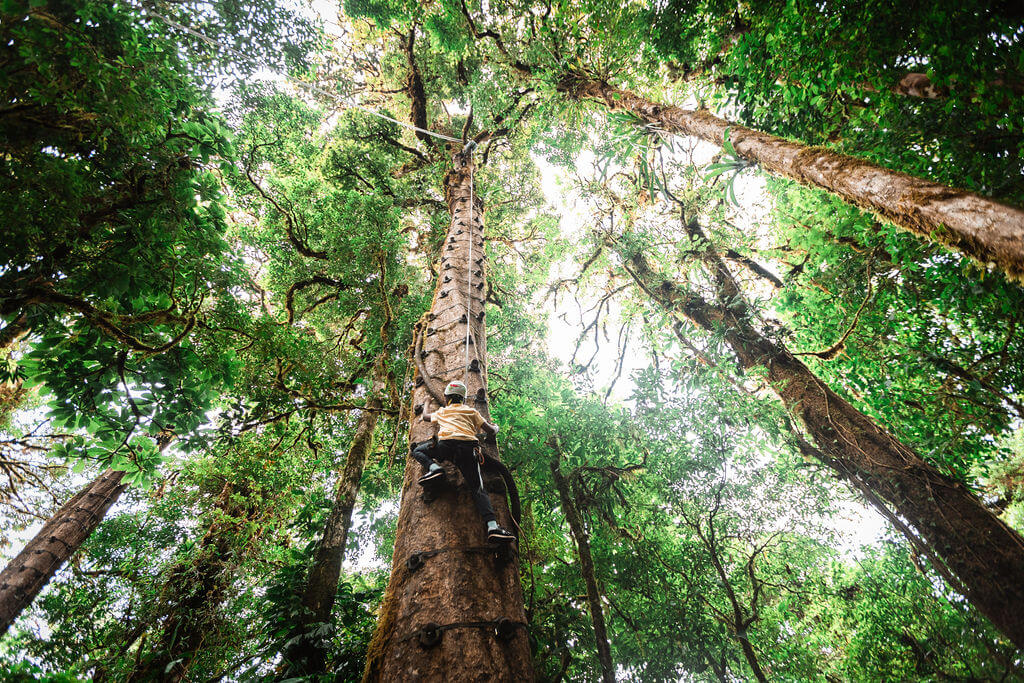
x: 227, y: 227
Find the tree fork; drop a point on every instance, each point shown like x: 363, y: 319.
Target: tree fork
x: 441, y: 612
x: 986, y: 230
x: 980, y: 549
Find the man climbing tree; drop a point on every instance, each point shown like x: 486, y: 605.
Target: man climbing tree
x: 686, y: 529
x: 458, y: 426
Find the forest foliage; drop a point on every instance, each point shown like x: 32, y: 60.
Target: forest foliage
x: 208, y: 245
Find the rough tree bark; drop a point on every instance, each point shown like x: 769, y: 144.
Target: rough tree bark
x: 984, y: 229
x: 985, y: 554
x: 62, y: 535
x: 466, y: 588
x: 27, y: 574
x: 579, y: 534
x: 308, y: 655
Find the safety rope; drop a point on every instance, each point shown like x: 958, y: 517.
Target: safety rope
x: 469, y: 262
x: 302, y: 84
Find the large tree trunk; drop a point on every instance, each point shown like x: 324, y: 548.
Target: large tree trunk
x: 441, y: 612
x: 27, y: 574
x: 308, y: 655
x: 985, y: 554
x: 984, y: 229
x: 579, y: 534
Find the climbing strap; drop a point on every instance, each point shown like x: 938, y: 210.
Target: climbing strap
x: 430, y: 634
x: 504, y: 552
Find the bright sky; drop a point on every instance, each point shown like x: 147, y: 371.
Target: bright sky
x: 858, y: 525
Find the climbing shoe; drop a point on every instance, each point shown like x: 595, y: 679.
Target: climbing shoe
x: 432, y: 477
x: 499, y: 535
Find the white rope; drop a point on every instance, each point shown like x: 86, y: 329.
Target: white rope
x: 469, y: 272
x: 307, y: 86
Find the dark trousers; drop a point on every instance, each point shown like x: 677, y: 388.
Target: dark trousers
x: 460, y: 453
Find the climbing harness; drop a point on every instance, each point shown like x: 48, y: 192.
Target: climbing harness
x: 489, y: 462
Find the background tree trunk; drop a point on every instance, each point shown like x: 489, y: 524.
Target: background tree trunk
x: 194, y: 592
x: 976, y: 546
x: 579, y: 534
x: 308, y: 656
x: 984, y: 229
x: 61, y: 536
x: 27, y: 574
x: 463, y: 589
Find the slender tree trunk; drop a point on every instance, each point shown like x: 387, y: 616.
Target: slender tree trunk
x: 308, y: 656
x: 579, y: 534
x: 63, y: 534
x: 976, y: 546
x: 740, y: 623
x: 194, y: 592
x: 984, y: 229
x: 27, y: 574
x: 718, y: 667
x: 460, y: 588
x: 751, y: 656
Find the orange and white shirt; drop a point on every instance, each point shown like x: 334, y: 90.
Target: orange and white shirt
x: 457, y: 421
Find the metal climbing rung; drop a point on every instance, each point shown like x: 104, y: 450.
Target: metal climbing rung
x: 429, y: 635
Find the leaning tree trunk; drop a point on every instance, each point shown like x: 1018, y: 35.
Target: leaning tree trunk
x: 579, y: 534
x: 308, y: 655
x: 453, y: 609
x: 984, y: 229
x: 60, y: 537
x: 27, y: 574
x: 985, y: 554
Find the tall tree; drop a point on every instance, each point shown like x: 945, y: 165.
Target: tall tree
x: 453, y: 607
x: 984, y: 229
x: 586, y: 560
x: 308, y: 655
x: 958, y: 529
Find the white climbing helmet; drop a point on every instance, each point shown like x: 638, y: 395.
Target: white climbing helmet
x: 455, y: 388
